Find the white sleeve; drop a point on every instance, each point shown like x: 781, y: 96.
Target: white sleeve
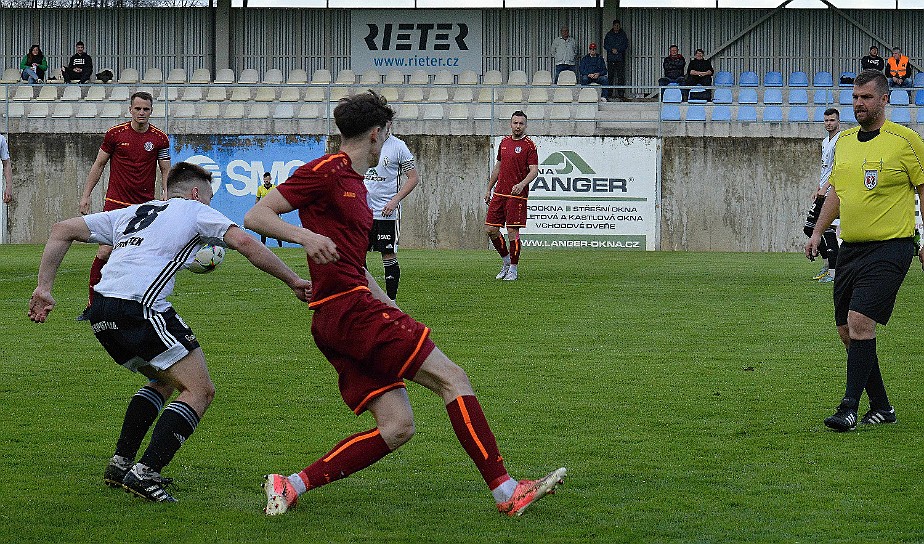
x: 4, y: 149
x: 405, y: 159
x: 210, y: 223
x: 102, y: 227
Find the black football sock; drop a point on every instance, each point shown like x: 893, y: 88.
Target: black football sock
x: 392, y: 276
x: 141, y: 412
x: 861, y: 356
x: 173, y: 428
x: 875, y: 389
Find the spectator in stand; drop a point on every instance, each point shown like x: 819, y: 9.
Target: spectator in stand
x: 616, y: 43
x: 593, y: 69
x: 80, y: 67
x: 674, y: 63
x: 34, y: 65
x: 700, y: 72
x: 872, y: 61
x: 898, y: 69
x: 565, y: 52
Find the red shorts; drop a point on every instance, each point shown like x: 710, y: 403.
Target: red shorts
x: 110, y: 204
x: 373, y: 346
x: 506, y: 211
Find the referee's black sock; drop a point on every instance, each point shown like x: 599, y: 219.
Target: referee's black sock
x: 392, y: 276
x: 173, y: 428
x: 875, y: 389
x: 141, y: 412
x: 861, y: 357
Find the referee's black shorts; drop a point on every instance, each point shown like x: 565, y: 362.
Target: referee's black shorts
x: 868, y: 277
x: 136, y: 336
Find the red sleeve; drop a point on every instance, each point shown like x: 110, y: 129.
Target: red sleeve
x: 304, y: 187
x: 109, y: 143
x: 499, y: 148
x: 533, y: 157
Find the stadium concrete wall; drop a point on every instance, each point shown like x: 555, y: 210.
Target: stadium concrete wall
x: 717, y: 194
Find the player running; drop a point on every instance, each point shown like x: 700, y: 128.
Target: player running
x: 138, y: 327
x: 516, y: 167
x: 372, y: 344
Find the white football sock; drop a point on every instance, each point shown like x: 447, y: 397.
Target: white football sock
x: 503, y: 492
x: 297, y: 483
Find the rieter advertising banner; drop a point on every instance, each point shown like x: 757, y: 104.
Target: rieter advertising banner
x: 593, y: 192
x: 416, y: 39
x: 237, y: 164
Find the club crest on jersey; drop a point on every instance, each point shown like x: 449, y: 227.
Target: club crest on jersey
x: 148, y: 146
x: 518, y: 149
x: 871, y: 179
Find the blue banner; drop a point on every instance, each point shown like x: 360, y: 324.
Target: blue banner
x: 237, y: 164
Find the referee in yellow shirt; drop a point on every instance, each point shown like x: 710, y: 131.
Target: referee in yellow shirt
x: 262, y: 191
x: 877, y: 171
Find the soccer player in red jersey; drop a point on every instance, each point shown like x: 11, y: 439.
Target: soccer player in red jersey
x: 137, y: 149
x: 372, y: 344
x: 517, y: 165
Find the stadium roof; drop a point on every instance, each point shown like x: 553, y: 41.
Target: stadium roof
x: 798, y: 4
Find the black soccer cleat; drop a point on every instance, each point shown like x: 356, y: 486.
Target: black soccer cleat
x: 84, y: 315
x: 116, y: 471
x: 875, y: 416
x: 147, y: 486
x: 845, y: 418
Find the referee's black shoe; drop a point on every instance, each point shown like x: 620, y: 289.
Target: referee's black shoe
x: 875, y: 416
x: 845, y: 418
x: 147, y: 484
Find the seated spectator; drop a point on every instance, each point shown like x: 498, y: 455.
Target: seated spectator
x: 34, y: 65
x: 700, y: 70
x: 593, y: 69
x: 80, y: 67
x: 873, y: 61
x: 898, y: 69
x: 674, y: 63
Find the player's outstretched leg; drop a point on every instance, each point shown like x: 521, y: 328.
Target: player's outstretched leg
x: 141, y: 413
x: 530, y: 491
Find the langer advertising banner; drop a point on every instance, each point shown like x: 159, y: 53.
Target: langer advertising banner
x: 592, y: 192
x: 237, y: 164
x: 416, y: 39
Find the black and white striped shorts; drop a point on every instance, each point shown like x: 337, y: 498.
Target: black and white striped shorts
x: 135, y: 335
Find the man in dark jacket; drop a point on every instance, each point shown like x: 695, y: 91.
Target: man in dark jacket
x: 616, y: 43
x: 674, y: 65
x: 593, y: 69
x: 80, y: 67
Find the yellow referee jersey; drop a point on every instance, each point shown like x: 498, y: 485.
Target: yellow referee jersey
x: 876, y: 182
x: 262, y: 191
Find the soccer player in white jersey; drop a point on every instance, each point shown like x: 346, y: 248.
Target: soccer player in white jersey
x: 828, y: 247
x: 384, y: 195
x: 138, y: 327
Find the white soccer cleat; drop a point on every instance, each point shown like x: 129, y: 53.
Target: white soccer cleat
x: 503, y: 273
x: 280, y: 495
x: 511, y: 274
x: 530, y: 491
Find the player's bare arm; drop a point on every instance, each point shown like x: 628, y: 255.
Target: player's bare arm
x: 413, y: 178
x: 267, y: 261
x: 533, y: 172
x: 492, y: 181
x: 264, y: 219
x: 164, y: 165
x: 8, y: 186
x: 96, y: 172
x: 63, y: 234
x: 829, y: 211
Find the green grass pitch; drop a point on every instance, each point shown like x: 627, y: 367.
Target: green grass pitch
x: 684, y: 392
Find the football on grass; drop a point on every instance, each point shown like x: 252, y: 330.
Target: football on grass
x: 207, y: 259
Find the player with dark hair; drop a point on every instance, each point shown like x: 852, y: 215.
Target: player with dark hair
x: 877, y: 171
x: 372, y: 344
x: 516, y: 167
x: 828, y: 248
x: 137, y: 149
x: 139, y: 328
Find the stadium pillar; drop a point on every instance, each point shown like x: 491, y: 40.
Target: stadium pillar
x: 222, y: 35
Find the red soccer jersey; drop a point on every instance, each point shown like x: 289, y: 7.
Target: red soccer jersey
x: 515, y: 157
x: 133, y: 162
x: 331, y: 200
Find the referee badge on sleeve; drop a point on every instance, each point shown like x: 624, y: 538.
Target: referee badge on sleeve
x: 871, y: 179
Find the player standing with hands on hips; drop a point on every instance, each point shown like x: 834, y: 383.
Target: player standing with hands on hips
x: 516, y: 167
x: 877, y: 171
x: 372, y: 344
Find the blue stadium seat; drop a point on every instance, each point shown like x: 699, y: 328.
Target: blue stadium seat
x: 697, y: 95
x: 773, y: 79
x: 823, y: 79
x: 773, y: 96
x: 797, y: 114
x: 798, y: 96
x: 724, y: 79
x: 822, y: 96
x: 670, y: 112
x: 898, y: 97
x: 845, y: 97
x: 672, y: 96
x: 798, y: 79
x: 920, y: 115
x: 724, y: 96
x: 747, y: 96
x: 900, y: 115
x: 919, y: 79
x: 819, y: 116
x: 773, y: 114
x: 846, y: 75
x: 748, y: 79
x: 696, y: 112
x: 721, y: 113
x: 747, y: 113
x: 919, y: 98
x: 847, y: 115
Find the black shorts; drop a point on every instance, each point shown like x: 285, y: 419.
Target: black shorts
x: 135, y: 336
x: 868, y: 277
x: 384, y: 236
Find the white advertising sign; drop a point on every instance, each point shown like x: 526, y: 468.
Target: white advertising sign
x: 595, y: 193
x: 418, y: 39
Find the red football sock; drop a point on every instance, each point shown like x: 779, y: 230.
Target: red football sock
x: 515, y: 250
x: 500, y: 245
x: 96, y: 274
x: 352, y: 454
x: 475, y: 434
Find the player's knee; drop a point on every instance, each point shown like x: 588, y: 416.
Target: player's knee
x: 397, y: 431
x: 492, y: 231
x: 103, y: 253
